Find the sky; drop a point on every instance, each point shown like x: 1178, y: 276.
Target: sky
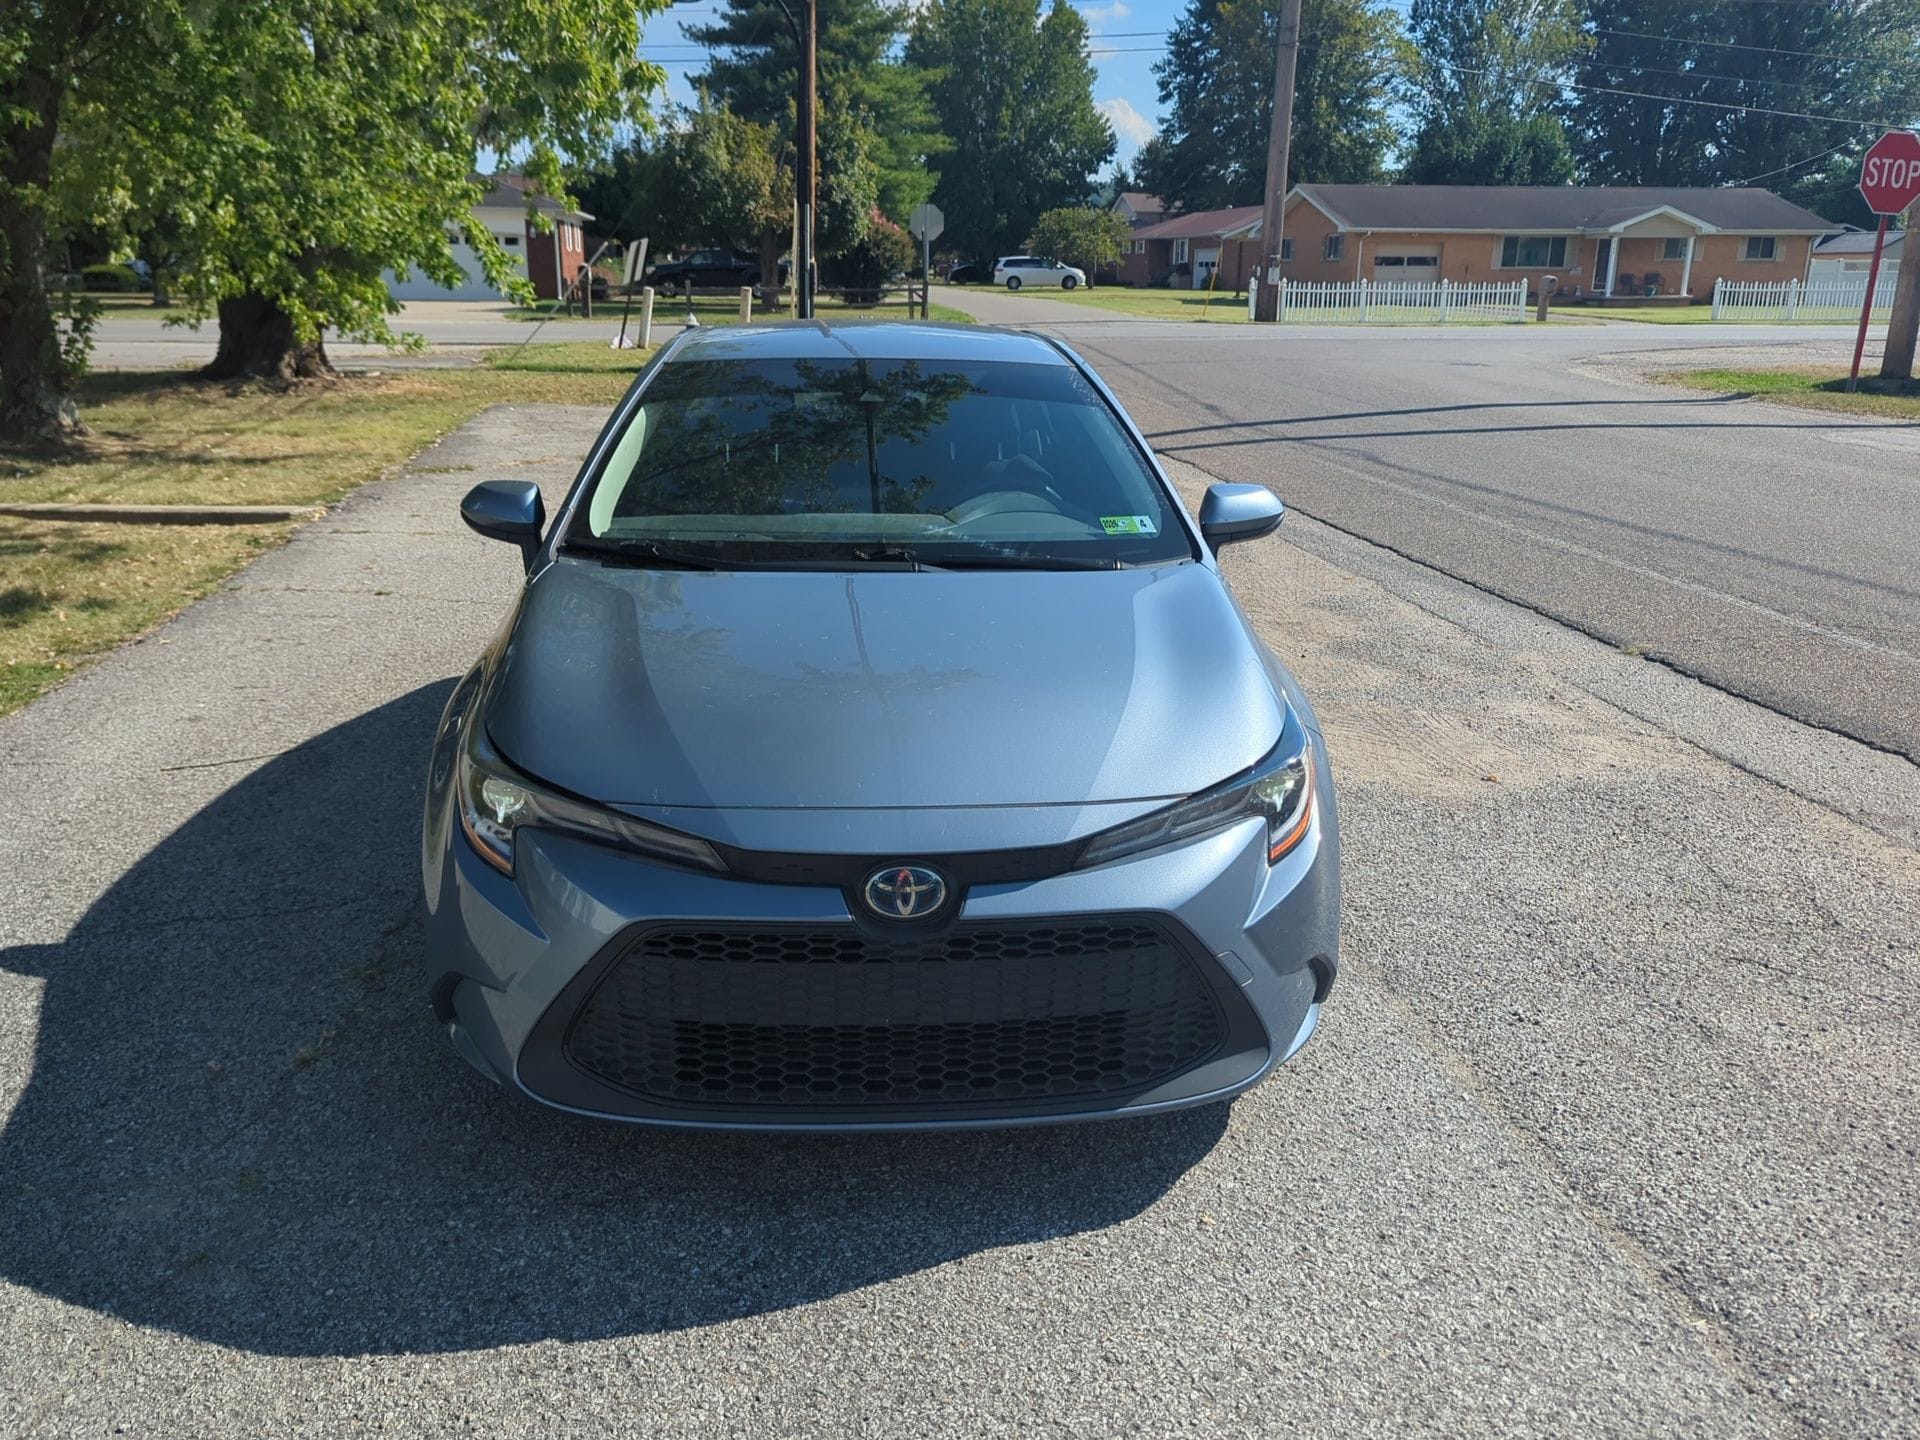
x: 1126, y: 37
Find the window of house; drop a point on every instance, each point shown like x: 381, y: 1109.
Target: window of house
x: 1139, y: 247
x: 1333, y: 247
x: 1759, y: 247
x: 1529, y: 252
x: 1286, y: 248
x: 508, y: 240
x: 1179, y: 252
x: 1674, y: 247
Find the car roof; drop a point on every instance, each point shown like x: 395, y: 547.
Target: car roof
x: 866, y: 340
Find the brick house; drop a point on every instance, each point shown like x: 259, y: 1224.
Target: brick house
x: 1187, y: 248
x: 1599, y: 240
x: 503, y: 211
x: 1139, y: 210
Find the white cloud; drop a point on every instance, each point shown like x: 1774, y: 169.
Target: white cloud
x: 1131, y: 127
x: 1098, y: 17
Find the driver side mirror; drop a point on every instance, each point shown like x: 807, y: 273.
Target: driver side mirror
x: 509, y: 510
x: 1239, y: 512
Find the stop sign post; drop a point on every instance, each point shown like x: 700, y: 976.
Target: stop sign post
x: 1889, y: 182
x: 925, y: 223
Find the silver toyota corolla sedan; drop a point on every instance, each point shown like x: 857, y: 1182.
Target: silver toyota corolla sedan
x: 876, y: 744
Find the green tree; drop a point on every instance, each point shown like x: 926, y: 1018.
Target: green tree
x: 1013, y: 90
x: 1216, y: 84
x: 1475, y: 78
x: 1080, y: 235
x: 1725, y: 72
x: 862, y: 87
x: 307, y: 147
x: 58, y: 59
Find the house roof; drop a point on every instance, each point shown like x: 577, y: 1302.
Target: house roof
x: 1140, y: 202
x: 513, y: 192
x: 1200, y: 225
x: 1857, y: 242
x: 1480, y: 208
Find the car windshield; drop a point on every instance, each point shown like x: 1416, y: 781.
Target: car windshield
x: 877, y: 462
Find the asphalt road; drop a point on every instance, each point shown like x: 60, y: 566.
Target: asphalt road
x: 1607, y: 1131
x: 1771, y: 551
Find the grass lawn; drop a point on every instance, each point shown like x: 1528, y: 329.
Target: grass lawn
x: 1811, y: 389
x: 1153, y: 304
x: 725, y: 310
x: 69, y: 591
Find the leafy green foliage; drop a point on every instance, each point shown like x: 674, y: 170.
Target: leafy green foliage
x: 1080, y: 235
x: 1014, y: 91
x: 872, y: 109
x: 1217, y: 84
x: 1476, y: 74
x: 1858, y: 60
x: 870, y: 264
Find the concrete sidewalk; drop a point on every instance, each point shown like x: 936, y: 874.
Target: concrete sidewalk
x: 1607, y: 1130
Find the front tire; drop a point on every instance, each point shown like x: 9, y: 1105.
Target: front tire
x: 1013, y: 282
x: 669, y: 288
x: 1067, y: 282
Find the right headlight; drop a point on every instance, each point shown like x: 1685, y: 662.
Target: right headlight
x: 1279, y: 789
x: 496, y: 802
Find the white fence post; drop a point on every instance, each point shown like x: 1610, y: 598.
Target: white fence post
x: 1446, y: 300
x: 1719, y: 285
x: 1280, y: 303
x: 1793, y: 298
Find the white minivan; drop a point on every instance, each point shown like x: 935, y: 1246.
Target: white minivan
x: 1013, y: 271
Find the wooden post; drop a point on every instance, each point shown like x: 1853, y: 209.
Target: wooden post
x: 646, y: 317
x: 746, y: 303
x: 1903, y: 326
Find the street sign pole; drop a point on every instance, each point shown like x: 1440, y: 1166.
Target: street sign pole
x: 1889, y: 183
x: 926, y: 223
x: 1866, y: 305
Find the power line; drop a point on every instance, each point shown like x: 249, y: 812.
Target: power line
x: 1794, y: 165
x: 1732, y: 45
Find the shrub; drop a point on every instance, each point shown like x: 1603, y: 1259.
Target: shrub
x: 111, y: 279
x: 865, y: 268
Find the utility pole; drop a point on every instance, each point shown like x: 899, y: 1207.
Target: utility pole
x: 806, y: 187
x: 1896, y: 363
x: 1267, y: 303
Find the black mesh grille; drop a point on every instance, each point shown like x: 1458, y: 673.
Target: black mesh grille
x: 777, y: 1016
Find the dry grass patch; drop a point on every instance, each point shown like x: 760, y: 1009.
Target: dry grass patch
x: 1811, y: 389
x: 69, y: 591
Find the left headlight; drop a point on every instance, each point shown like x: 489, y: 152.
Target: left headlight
x: 1279, y: 789
x: 496, y: 802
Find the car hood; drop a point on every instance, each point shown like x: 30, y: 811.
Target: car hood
x: 879, y: 689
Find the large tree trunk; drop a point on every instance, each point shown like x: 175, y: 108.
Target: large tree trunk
x: 33, y: 374
x: 257, y: 343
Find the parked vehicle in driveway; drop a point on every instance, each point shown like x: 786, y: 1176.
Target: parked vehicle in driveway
x: 875, y: 743
x: 966, y: 273
x: 704, y: 270
x: 1015, y: 271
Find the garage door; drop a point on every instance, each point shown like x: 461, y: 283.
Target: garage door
x: 1406, y: 265
x: 474, y: 287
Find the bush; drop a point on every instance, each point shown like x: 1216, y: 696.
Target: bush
x: 865, y: 268
x: 111, y: 279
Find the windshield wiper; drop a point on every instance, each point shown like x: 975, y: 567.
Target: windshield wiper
x: 995, y: 560
x: 650, y: 554
x: 891, y: 554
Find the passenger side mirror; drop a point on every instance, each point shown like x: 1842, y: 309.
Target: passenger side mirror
x: 509, y: 510
x: 1239, y: 512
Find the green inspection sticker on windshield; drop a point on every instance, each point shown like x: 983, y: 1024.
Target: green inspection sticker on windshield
x: 1127, y: 524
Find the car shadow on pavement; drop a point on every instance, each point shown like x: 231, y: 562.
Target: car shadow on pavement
x: 243, y: 1125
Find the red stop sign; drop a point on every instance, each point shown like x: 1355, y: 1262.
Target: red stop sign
x: 1890, y: 174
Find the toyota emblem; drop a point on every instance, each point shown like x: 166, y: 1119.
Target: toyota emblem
x: 905, y: 892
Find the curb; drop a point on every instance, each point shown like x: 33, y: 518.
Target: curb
x: 165, y: 514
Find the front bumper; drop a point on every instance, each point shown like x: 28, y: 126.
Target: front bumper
x: 513, y: 960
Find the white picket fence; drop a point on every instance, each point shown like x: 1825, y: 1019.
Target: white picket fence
x: 1363, y: 302
x: 1796, y: 300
